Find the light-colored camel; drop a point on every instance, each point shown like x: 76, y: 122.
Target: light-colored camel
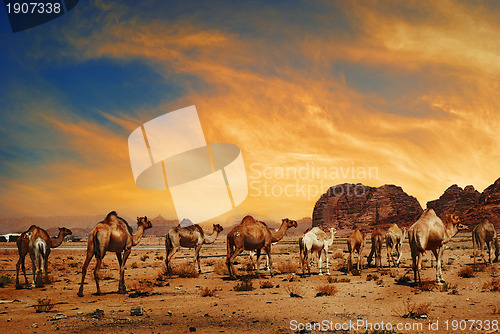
x: 377, y: 238
x: 394, y: 241
x: 315, y: 241
x: 113, y: 234
x: 23, y: 249
x: 251, y: 234
x: 430, y: 233
x: 191, y: 236
x: 484, y: 233
x: 355, y: 243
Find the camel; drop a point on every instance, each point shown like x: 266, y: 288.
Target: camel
x: 191, y: 237
x: 484, y: 233
x: 355, y: 243
x: 377, y: 241
x: 23, y: 248
x: 394, y: 241
x: 315, y: 240
x: 430, y: 233
x: 113, y: 234
x: 251, y: 234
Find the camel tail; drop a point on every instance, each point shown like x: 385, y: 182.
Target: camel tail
x: 168, y: 243
x: 95, y: 240
x: 41, y: 250
x: 413, y: 240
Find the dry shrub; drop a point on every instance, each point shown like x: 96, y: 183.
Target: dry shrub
x: 427, y: 285
x: 466, y: 272
x: 292, y: 278
x: 287, y: 267
x: 134, y: 265
x: 479, y: 267
x: 370, y: 277
x: 207, y: 292
x: 492, y: 285
x: 452, y: 289
x: 338, y: 255
x: 413, y: 310
x: 339, y: 265
x: 380, y: 281
x: 294, y: 291
x: 326, y: 290
x: 266, y: 285
x: 5, y: 280
x: 143, y: 287
x: 244, y: 286
x: 159, y: 258
x: 335, y: 279
x: 220, y: 268
x: 402, y: 280
x: 43, y: 305
x: 185, y: 269
x: 144, y: 258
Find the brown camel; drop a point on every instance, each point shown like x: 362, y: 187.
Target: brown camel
x: 484, y: 233
x: 315, y: 240
x: 394, y: 241
x: 430, y: 233
x: 377, y: 241
x: 251, y: 234
x: 191, y: 237
x: 23, y: 248
x: 355, y: 243
x: 113, y: 234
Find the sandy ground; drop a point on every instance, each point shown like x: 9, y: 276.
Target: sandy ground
x: 174, y: 304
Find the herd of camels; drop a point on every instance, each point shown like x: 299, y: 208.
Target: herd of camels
x: 113, y: 234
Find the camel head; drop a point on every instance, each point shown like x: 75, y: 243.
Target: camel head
x: 289, y: 222
x: 144, y: 222
x: 218, y: 228
x: 454, y: 220
x: 333, y: 230
x: 65, y: 231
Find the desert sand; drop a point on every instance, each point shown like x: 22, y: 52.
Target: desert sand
x: 175, y: 304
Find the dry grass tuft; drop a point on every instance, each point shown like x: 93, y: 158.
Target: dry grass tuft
x: 244, y: 286
x: 43, y: 305
x: 427, y: 285
x: 492, y: 285
x: 402, y: 280
x: 266, y: 285
x: 338, y: 255
x: 326, y: 290
x: 294, y: 291
x: 287, y: 267
x: 5, y: 280
x: 335, y: 279
x: 185, y: 269
x: 480, y: 267
x: 143, y: 287
x: 207, y: 292
x: 220, y: 268
x: 466, y: 272
x: 413, y: 310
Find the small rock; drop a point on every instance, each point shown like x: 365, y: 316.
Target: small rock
x: 10, y: 319
x: 35, y: 325
x: 192, y: 329
x: 137, y: 311
x: 59, y: 316
x: 169, y: 313
x: 97, y: 314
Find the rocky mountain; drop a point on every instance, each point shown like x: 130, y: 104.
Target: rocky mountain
x: 348, y: 206
x: 470, y: 205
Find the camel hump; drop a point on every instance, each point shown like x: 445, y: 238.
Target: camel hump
x: 110, y: 215
x: 194, y: 228
x: 248, y: 220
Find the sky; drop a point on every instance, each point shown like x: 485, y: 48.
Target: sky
x: 314, y: 93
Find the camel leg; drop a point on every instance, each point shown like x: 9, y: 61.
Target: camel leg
x: 370, y: 257
x: 389, y: 254
x: 120, y: 266
x: 268, y: 251
x: 18, y: 265
x: 257, y: 262
x: 96, y: 275
x: 488, y: 247
x: 497, y: 250
x: 399, y: 251
x: 229, y: 261
x: 197, y: 257
x: 414, y: 263
x: 327, y: 267
x: 349, y: 262
x: 170, y: 255
x: 320, y: 263
x: 121, y: 287
x: 90, y: 254
x: 33, y: 264
x: 438, y: 253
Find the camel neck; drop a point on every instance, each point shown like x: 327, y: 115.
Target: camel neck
x: 278, y: 235
x: 57, y: 241
x: 210, y: 238
x: 136, y: 237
